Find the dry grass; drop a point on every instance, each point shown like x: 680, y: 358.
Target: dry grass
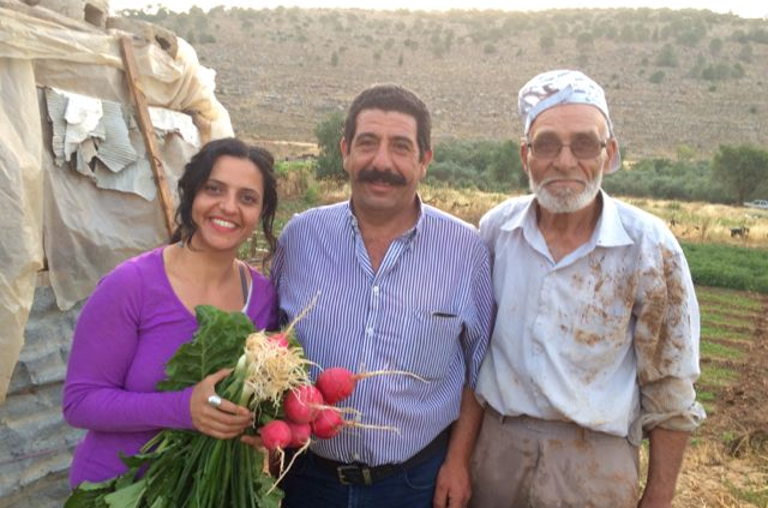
x: 694, y: 222
x: 713, y: 477
x: 709, y: 223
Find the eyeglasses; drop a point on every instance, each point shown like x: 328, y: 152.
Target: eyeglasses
x: 548, y: 146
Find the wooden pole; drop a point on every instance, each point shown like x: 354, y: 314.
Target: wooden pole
x: 147, y: 130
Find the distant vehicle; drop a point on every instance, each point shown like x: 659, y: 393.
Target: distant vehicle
x: 758, y: 203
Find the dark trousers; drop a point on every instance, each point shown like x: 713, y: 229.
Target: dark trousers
x: 310, y: 485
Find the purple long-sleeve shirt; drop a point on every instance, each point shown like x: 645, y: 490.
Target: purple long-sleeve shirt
x: 130, y: 327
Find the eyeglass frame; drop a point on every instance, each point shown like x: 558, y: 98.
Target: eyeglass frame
x: 603, y: 145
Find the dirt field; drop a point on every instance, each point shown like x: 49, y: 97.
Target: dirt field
x: 727, y: 462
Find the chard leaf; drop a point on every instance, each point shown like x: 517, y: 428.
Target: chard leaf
x: 264, y: 484
x: 91, y: 486
x: 90, y: 495
x: 127, y: 497
x: 217, y: 344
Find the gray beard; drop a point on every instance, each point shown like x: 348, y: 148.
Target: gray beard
x: 568, y: 201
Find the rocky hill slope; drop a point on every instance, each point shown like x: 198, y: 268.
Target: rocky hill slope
x: 677, y: 80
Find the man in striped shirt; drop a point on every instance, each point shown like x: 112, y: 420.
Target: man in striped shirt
x: 402, y: 286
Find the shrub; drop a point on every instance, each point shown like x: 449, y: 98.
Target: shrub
x: 657, y: 77
x: 328, y: 133
x: 666, y: 57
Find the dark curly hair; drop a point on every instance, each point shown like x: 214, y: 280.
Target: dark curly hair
x: 197, y: 172
x: 391, y: 97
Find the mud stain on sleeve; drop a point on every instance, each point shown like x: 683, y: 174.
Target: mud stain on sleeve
x: 661, y: 336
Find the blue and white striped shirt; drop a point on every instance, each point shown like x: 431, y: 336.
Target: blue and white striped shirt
x: 428, y: 310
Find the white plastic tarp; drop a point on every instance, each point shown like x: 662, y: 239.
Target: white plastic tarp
x: 88, y: 230
x: 102, y: 142
x: 21, y: 207
x: 179, y: 83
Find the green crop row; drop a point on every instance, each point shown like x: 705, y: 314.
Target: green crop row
x: 728, y: 266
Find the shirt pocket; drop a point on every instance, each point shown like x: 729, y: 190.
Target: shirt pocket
x: 432, y: 342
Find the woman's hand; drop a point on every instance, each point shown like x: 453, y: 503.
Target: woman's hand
x: 224, y: 422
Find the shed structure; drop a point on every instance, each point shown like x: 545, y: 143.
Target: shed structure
x: 77, y: 196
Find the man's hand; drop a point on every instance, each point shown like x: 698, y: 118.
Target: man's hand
x: 453, y: 488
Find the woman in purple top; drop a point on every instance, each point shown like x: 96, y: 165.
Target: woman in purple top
x: 141, y: 312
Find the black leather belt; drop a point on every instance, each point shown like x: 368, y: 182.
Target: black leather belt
x: 360, y: 474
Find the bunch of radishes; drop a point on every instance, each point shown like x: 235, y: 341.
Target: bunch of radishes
x: 277, y: 370
x: 308, y: 411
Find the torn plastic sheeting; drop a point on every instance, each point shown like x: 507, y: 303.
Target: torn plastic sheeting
x: 166, y: 121
x: 82, y: 117
x: 108, y: 139
x: 136, y: 178
x: 88, y: 231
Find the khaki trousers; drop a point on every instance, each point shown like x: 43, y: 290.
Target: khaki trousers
x: 530, y: 463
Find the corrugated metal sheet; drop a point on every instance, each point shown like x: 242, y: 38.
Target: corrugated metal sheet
x: 35, y: 442
x: 57, y: 105
x: 116, y: 151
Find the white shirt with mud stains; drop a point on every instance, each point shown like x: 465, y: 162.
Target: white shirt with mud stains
x: 608, y: 337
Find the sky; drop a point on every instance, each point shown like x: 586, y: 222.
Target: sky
x: 744, y: 8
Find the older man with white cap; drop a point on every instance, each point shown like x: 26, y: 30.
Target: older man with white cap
x: 596, y: 338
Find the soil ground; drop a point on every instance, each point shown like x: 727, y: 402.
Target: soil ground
x: 727, y: 462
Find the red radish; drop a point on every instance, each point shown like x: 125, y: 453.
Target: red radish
x: 280, y: 339
x: 302, y: 404
x: 275, y: 435
x: 338, y: 383
x: 300, y: 434
x: 327, y: 424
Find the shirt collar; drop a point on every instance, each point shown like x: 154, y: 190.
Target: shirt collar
x: 352, y: 219
x: 515, y: 220
x: 609, y: 231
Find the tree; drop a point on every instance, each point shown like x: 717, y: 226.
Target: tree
x: 741, y: 169
x: 666, y: 57
x: 328, y: 133
x: 657, y: 77
x: 547, y: 43
x: 715, y: 46
x: 505, y: 168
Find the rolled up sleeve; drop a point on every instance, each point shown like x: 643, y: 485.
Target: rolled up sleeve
x: 667, y: 347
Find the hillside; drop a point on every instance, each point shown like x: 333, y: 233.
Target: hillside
x: 688, y: 78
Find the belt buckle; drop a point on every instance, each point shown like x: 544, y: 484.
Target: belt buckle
x: 361, y: 471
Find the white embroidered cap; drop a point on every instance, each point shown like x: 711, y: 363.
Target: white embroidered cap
x: 553, y: 88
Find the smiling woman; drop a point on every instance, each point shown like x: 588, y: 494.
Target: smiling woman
x: 140, y: 313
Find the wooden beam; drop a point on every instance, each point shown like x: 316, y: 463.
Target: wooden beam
x: 147, y: 130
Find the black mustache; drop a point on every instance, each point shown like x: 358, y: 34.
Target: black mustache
x: 375, y: 175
